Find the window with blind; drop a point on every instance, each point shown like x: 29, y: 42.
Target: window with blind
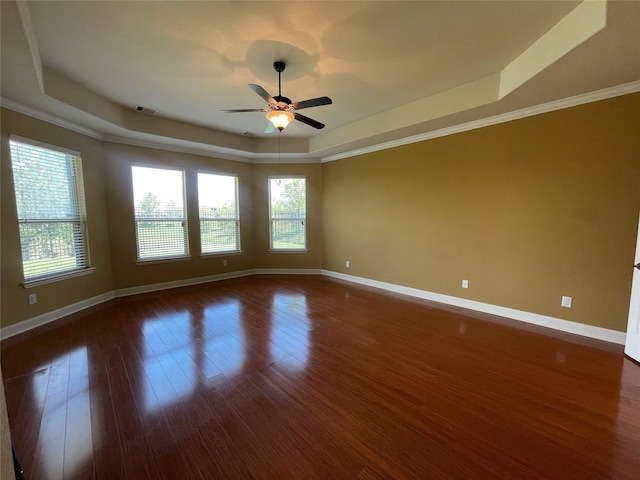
x: 160, y: 213
x: 218, y: 211
x: 287, y: 211
x: 51, y: 210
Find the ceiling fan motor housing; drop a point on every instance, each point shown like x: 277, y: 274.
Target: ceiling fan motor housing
x: 282, y: 103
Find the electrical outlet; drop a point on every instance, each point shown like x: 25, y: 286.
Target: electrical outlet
x: 33, y: 299
x: 465, y: 283
x: 347, y: 263
x: 566, y: 302
x: 224, y: 263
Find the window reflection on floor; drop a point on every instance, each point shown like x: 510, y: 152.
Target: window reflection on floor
x: 65, y: 442
x: 290, y: 330
x: 183, y: 350
x: 168, y: 349
x: 224, y: 342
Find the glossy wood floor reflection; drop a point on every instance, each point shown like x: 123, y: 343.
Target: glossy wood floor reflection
x: 305, y: 377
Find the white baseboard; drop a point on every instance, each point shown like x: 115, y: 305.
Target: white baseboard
x: 30, y: 323
x: 154, y: 287
x: 599, y: 333
x: 124, y: 292
x: 288, y: 271
x: 52, y: 316
x: 567, y: 326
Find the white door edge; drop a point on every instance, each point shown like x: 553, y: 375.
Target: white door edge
x: 632, y: 344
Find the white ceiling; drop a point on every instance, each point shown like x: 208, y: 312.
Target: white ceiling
x: 393, y: 69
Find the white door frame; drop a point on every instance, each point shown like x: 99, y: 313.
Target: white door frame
x: 632, y: 343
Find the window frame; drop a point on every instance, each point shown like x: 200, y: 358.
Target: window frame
x: 238, y: 248
x: 272, y: 248
x: 183, y: 221
x: 78, y: 220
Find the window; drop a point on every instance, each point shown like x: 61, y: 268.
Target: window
x: 51, y: 210
x: 218, y: 210
x: 287, y: 211
x: 161, y: 221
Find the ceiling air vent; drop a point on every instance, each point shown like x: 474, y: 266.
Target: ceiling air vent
x: 148, y: 111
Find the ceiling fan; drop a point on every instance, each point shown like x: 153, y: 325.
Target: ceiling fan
x: 281, y: 109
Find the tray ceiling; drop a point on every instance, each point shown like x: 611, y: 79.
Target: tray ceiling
x: 393, y: 69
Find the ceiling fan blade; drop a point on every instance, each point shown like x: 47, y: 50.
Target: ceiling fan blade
x: 262, y: 92
x: 244, y: 110
x: 309, y: 121
x: 314, y: 102
x: 270, y: 127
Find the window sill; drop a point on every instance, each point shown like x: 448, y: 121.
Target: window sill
x: 36, y: 282
x: 152, y: 261
x: 221, y: 254
x: 288, y: 250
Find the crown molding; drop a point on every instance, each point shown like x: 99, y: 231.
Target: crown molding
x: 32, y: 42
x: 46, y: 117
x: 569, y: 102
x: 172, y: 146
x: 208, y: 152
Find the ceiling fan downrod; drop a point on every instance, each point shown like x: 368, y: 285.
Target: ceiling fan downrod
x: 279, y: 67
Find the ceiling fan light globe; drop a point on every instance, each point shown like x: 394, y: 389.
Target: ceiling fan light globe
x: 280, y: 119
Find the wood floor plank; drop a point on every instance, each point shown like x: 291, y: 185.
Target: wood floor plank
x: 287, y: 377
x: 25, y: 397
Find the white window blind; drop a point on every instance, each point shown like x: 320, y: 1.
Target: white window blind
x: 51, y: 210
x: 160, y: 213
x: 287, y: 210
x: 218, y: 210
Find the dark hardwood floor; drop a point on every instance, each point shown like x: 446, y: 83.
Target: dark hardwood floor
x: 305, y: 377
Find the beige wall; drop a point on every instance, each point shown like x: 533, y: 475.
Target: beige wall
x: 15, y: 307
x: 126, y: 272
x: 254, y: 217
x: 107, y: 173
x: 312, y: 259
x: 527, y: 211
